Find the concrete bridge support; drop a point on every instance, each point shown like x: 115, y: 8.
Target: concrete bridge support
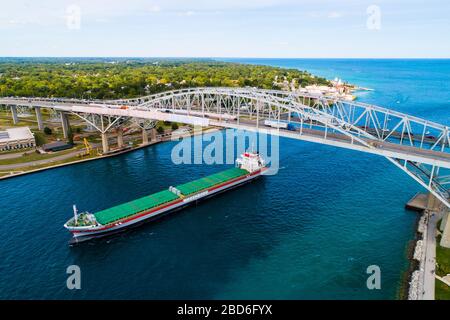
x: 105, y: 144
x: 14, y: 115
x: 65, y: 124
x: 39, y: 118
x: 433, y: 203
x: 144, y: 136
x: 153, y: 134
x: 120, y: 137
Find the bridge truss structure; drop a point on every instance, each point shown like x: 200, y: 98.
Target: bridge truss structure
x: 419, y: 147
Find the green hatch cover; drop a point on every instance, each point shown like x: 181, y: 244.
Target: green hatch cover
x: 130, y: 208
x: 133, y: 207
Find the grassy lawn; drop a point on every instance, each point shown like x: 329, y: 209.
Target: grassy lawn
x: 6, y: 121
x: 167, y: 127
x: 29, y: 168
x: 41, y: 138
x: 442, y: 291
x: 442, y: 269
x: 36, y: 156
x: 442, y: 259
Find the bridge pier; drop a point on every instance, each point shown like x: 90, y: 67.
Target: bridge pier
x: 336, y: 123
x: 153, y: 134
x: 144, y: 136
x: 433, y: 203
x: 120, y: 137
x: 105, y: 144
x: 65, y: 125
x: 14, y: 114
x: 39, y: 118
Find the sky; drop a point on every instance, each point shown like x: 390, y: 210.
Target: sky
x: 226, y: 28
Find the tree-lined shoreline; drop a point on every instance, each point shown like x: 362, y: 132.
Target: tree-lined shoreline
x: 113, y: 78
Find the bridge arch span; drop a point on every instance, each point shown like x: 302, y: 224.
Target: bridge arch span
x: 419, y: 147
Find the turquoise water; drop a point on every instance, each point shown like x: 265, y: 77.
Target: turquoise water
x: 308, y: 232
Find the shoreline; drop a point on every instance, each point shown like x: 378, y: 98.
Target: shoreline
x: 80, y: 161
x: 406, y: 278
x: 412, y: 264
x: 411, y: 279
x: 419, y: 284
x: 191, y: 134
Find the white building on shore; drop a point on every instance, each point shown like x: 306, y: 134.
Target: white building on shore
x: 16, y: 138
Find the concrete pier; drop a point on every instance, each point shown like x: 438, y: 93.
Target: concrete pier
x: 65, y: 124
x: 105, y: 144
x: 14, y: 115
x: 39, y: 118
x: 144, y: 136
x: 120, y: 137
x: 433, y: 203
x: 423, y: 201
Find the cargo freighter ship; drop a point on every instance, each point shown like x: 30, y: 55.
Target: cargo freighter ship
x: 86, y: 225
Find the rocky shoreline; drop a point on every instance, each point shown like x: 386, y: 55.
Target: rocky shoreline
x: 415, y: 281
x: 413, y: 264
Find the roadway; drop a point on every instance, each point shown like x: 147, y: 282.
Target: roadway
x: 13, y: 166
x: 383, y: 148
x: 429, y: 266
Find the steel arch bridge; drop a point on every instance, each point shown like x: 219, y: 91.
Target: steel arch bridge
x: 419, y: 147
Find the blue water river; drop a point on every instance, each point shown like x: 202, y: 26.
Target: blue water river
x: 310, y: 231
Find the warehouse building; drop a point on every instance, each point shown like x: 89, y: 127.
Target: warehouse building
x: 56, y: 146
x: 16, y: 138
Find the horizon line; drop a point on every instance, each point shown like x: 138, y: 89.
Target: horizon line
x: 245, y: 57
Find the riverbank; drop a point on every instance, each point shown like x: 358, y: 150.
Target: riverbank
x: 262, y: 241
x: 416, y: 259
x: 423, y: 264
x: 163, y: 138
x: 79, y: 161
x: 413, y: 264
x: 442, y: 265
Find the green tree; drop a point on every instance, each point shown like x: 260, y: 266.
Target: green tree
x: 160, y: 130
x: 70, y: 136
x: 94, y: 78
x: 47, y: 131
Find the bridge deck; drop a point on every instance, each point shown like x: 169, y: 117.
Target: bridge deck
x: 406, y: 152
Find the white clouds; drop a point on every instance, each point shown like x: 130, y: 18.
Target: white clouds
x: 188, y: 13
x: 232, y: 27
x: 154, y: 8
x: 331, y: 14
x: 334, y: 15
